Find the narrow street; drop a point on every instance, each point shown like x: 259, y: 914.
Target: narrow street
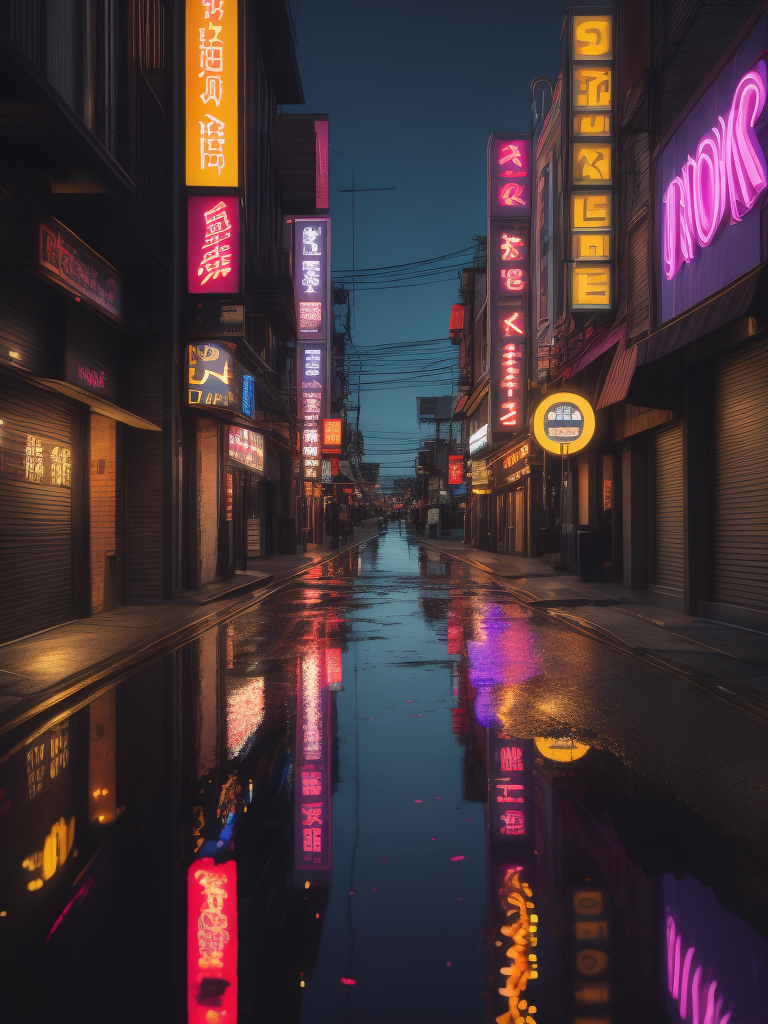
x: 398, y: 759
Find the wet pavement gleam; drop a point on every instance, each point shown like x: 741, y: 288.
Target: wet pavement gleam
x: 390, y: 792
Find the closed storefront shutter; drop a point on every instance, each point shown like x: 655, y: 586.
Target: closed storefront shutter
x: 37, y: 458
x: 668, y: 446
x: 740, y: 570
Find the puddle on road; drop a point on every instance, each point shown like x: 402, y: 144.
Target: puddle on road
x: 471, y: 816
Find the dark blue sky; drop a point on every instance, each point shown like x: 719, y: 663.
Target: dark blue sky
x: 413, y: 89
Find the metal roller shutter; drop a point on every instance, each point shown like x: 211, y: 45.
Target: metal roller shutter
x: 669, y: 553
x: 37, y: 456
x: 740, y: 570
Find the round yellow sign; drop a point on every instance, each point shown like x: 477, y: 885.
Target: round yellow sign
x: 563, y: 423
x: 560, y: 749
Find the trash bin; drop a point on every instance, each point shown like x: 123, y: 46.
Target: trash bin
x: 590, y: 566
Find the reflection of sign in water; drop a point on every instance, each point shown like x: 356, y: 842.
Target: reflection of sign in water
x: 564, y: 423
x: 43, y: 864
x: 521, y: 956
x: 591, y: 942
x: 312, y: 812
x: 211, y: 941
x: 560, y: 749
x: 509, y: 789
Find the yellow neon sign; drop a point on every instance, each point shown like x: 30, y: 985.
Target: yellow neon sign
x: 592, y: 124
x: 591, y: 287
x: 591, y: 211
x: 592, y: 88
x: 591, y: 247
x: 591, y: 162
x: 563, y: 423
x: 591, y: 37
x: 211, y: 93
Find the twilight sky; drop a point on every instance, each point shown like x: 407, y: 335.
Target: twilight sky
x: 413, y: 89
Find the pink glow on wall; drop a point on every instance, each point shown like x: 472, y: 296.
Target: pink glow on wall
x: 322, y: 192
x: 213, y: 245
x: 729, y: 168
x: 686, y: 985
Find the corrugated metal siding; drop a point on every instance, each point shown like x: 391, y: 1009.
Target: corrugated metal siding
x: 638, y: 306
x: 35, y: 515
x: 25, y: 323
x: 740, y: 570
x: 669, y: 555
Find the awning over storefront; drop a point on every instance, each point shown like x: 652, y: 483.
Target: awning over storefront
x: 745, y: 297
x: 460, y: 405
x: 99, y: 405
x: 599, y: 344
x: 619, y: 375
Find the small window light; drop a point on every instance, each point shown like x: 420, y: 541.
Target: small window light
x: 13, y: 354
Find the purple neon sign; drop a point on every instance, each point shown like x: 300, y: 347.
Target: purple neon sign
x: 689, y: 985
x: 728, y: 172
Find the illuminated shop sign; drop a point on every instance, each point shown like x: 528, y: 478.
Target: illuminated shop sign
x: 510, y: 794
x: 592, y: 956
x: 455, y: 470
x: 247, y: 448
x: 211, y: 378
x: 211, y: 93
x: 247, y: 403
x: 563, y: 749
x: 32, y: 458
x: 478, y: 440
x: 312, y: 277
x: 326, y: 470
x: 322, y: 189
x: 332, y: 432
x: 211, y: 942
x: 592, y: 171
x: 563, y: 423
x: 509, y: 206
x: 312, y: 810
x: 310, y: 452
x: 245, y: 713
x: 711, y: 184
x: 213, y: 244
x: 69, y: 263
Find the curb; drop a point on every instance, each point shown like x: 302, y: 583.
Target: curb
x: 742, y: 699
x: 132, y: 659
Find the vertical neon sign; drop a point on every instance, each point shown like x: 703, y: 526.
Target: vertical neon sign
x: 510, y: 795
x: 509, y: 212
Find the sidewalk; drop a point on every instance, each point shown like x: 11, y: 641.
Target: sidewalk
x: 38, y: 671
x: 730, y: 662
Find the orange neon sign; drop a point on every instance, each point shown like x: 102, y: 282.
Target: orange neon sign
x: 212, y: 92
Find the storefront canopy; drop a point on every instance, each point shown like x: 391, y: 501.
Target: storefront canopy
x: 99, y: 405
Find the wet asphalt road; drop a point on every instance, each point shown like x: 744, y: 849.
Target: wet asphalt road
x: 390, y: 674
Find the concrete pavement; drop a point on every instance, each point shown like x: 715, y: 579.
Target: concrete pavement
x: 39, y: 670
x: 729, y: 661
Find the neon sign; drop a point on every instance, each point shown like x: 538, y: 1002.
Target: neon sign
x: 211, y: 376
x: 213, y: 244
x: 510, y: 795
x: 211, y: 942
x: 311, y: 277
x: 521, y: 962
x: 247, y: 447
x: 211, y: 93
x: 332, y: 432
x: 455, y: 470
x: 728, y: 172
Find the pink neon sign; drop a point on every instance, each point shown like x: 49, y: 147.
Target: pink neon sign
x: 729, y: 170
x: 212, y: 941
x: 213, y: 244
x: 688, y: 985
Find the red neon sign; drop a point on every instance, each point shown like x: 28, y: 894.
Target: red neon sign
x: 455, y: 469
x: 212, y: 942
x: 321, y: 165
x: 213, y: 244
x: 332, y: 430
x: 510, y: 384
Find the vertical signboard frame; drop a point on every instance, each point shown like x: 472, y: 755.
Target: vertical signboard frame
x: 509, y: 315
x: 590, y: 159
